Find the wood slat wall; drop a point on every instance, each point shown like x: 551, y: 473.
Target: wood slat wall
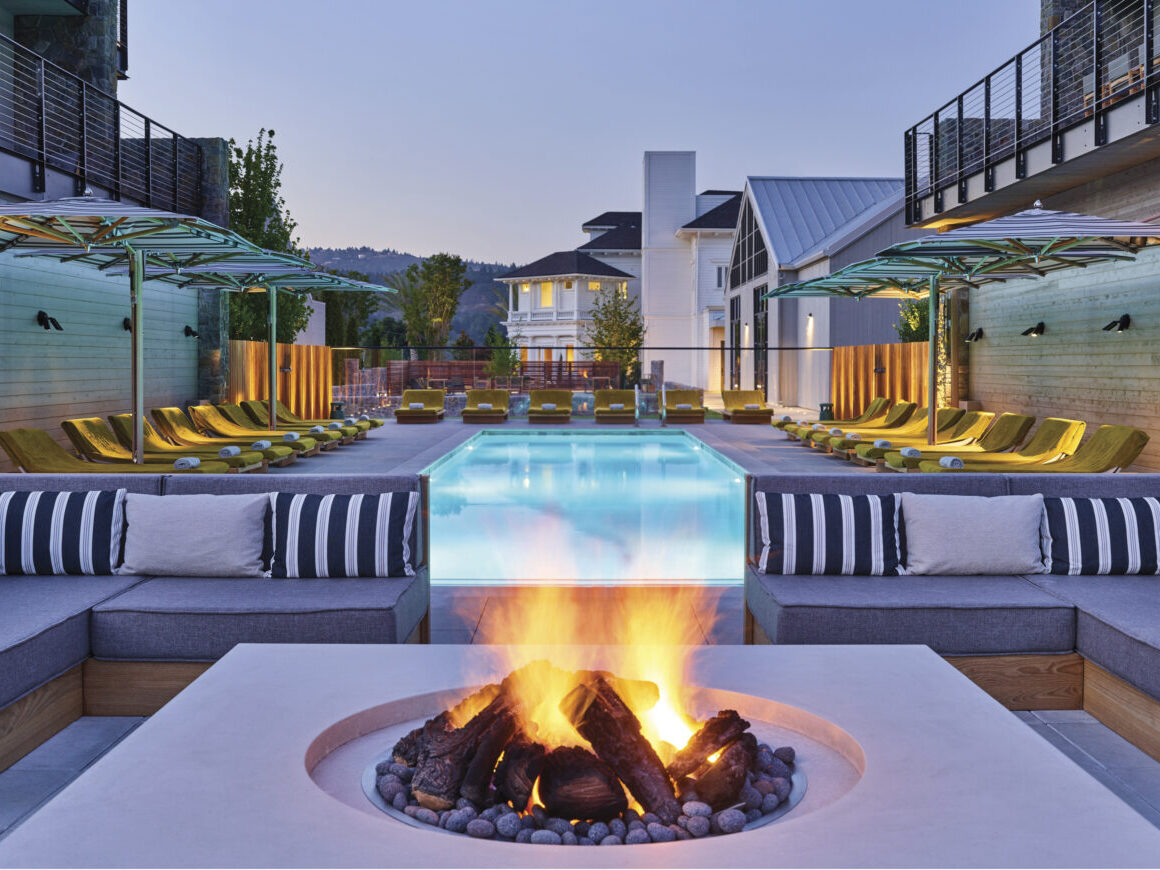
x: 305, y: 389
x: 1075, y: 369
x: 855, y: 381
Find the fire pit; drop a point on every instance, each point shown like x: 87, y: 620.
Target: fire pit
x: 554, y: 757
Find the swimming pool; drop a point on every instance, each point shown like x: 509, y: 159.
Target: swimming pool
x: 588, y: 507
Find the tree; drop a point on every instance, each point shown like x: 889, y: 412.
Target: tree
x: 411, y: 304
x: 504, y: 354
x: 462, y: 346
x: 385, y: 332
x: 616, y: 331
x: 258, y: 212
x: 443, y: 279
x: 347, y: 311
x: 913, y: 320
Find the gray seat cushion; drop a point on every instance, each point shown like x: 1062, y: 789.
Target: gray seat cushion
x: 1117, y: 623
x: 149, y: 484
x: 44, y: 626
x: 978, y: 615
x: 316, y: 484
x: 1082, y: 485
x: 201, y: 619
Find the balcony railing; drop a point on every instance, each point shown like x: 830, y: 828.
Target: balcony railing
x: 1102, y: 55
x: 544, y: 314
x: 56, y: 120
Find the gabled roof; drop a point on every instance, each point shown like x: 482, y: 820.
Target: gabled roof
x: 565, y: 263
x: 613, y: 219
x: 619, y: 239
x: 798, y: 214
x: 722, y: 217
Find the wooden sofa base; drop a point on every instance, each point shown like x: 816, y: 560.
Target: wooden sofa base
x: 554, y: 419
x: 135, y: 688
x: 1123, y: 708
x: 28, y: 722
x: 684, y: 419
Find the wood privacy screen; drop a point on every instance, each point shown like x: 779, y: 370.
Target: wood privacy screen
x: 861, y: 372
x: 305, y: 389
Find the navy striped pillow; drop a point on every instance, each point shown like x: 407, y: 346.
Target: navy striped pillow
x: 343, y: 535
x: 1101, y: 535
x: 828, y: 534
x: 61, y: 532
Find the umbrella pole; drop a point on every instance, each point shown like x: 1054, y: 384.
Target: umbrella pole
x: 932, y: 363
x: 137, y: 352
x: 272, y: 348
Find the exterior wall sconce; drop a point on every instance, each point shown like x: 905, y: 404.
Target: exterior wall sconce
x: 1120, y: 324
x: 127, y: 325
x: 190, y: 332
x: 975, y: 335
x: 1035, y: 331
x: 42, y: 319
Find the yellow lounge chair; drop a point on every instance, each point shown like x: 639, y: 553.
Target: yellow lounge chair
x: 896, y: 418
x: 327, y: 439
x: 211, y: 421
x: 497, y: 412
x: 561, y: 413
x: 971, y: 426
x: 1053, y: 440
x: 95, y: 441
x: 430, y: 412
x: 913, y: 432
x: 947, y: 425
x: 916, y: 422
x: 34, y: 451
x: 1005, y: 434
x: 160, y: 449
x: 877, y: 408
x: 798, y: 432
x: 174, y: 425
x: 735, y: 402
x: 673, y: 413
x: 605, y: 413
x: 1111, y: 448
x: 289, y: 416
x: 258, y: 412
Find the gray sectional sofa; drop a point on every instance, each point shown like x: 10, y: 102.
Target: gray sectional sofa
x: 50, y: 625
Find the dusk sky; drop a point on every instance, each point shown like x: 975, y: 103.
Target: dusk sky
x: 494, y: 129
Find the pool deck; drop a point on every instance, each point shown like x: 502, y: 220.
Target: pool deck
x: 395, y: 449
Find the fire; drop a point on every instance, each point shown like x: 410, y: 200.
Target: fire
x: 650, y: 633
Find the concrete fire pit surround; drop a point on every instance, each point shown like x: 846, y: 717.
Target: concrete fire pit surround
x: 222, y: 775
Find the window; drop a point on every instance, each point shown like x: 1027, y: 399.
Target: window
x: 523, y: 354
x: 547, y: 354
x: 545, y: 294
x: 568, y: 353
x: 594, y: 286
x: 750, y: 259
x: 524, y: 288
x: 622, y: 289
x: 735, y: 343
x: 567, y: 285
x: 760, y: 339
x: 721, y: 270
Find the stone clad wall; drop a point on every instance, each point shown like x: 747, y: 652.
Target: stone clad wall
x: 85, y: 45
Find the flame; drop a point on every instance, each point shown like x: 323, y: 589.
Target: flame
x: 650, y: 634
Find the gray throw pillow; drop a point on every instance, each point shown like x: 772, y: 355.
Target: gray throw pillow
x: 970, y: 534
x: 195, y: 535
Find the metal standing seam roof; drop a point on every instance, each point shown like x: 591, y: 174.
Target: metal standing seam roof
x: 565, y: 263
x: 797, y: 214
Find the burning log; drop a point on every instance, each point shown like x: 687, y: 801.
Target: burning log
x: 721, y: 782
x: 718, y: 732
x: 517, y: 771
x: 410, y: 746
x: 476, y: 785
x: 445, y: 758
x: 606, y: 722
x: 575, y: 784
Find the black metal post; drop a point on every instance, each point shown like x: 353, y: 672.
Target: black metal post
x: 38, y: 166
x: 934, y: 177
x: 962, y: 181
x: 1056, y: 133
x: 1151, y: 89
x: 82, y: 181
x: 1020, y: 155
x: 988, y: 169
x: 148, y: 164
x: 117, y: 180
x: 1101, y: 121
x: 176, y: 169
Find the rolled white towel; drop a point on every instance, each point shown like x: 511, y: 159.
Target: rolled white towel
x: 316, y: 430
x: 548, y: 406
x: 911, y: 452
x: 785, y: 418
x: 752, y: 406
x: 364, y: 418
x: 484, y: 406
x: 818, y: 427
x: 289, y: 436
x: 882, y: 442
x: 350, y: 421
x: 836, y: 431
x: 684, y: 406
x: 616, y: 406
x: 853, y: 436
x: 415, y: 406
x: 186, y: 462
x: 952, y: 462
x: 334, y: 426
x: 227, y: 452
x: 261, y: 445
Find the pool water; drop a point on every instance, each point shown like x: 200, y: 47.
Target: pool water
x: 599, y: 507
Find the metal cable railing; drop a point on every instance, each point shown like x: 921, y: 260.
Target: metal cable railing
x: 1103, y: 54
x: 56, y: 120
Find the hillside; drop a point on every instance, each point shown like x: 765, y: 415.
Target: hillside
x: 478, y: 307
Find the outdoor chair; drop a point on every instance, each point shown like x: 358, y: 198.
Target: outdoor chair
x: 34, y: 451
x: 673, y: 410
x: 160, y: 449
x: 875, y: 410
x: 497, y: 402
x: 1111, y: 448
x: 420, y: 406
x: 559, y: 412
x: 327, y: 439
x: 362, y: 422
x: 896, y: 418
x: 914, y: 432
x: 971, y: 426
x: 746, y: 406
x: 174, y: 425
x: 211, y: 421
x: 258, y: 413
x: 1053, y: 440
x: 948, y: 425
x: 603, y: 400
x: 1005, y: 434
x: 96, y: 442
